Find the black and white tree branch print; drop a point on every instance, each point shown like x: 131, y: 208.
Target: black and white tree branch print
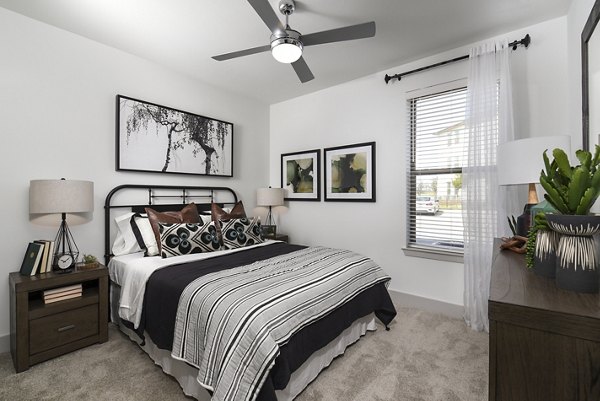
x: 186, y: 142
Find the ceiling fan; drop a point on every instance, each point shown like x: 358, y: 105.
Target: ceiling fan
x: 287, y: 44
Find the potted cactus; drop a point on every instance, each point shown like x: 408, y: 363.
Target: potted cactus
x: 572, y: 190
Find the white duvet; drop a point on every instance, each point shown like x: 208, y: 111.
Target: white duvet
x: 131, y: 272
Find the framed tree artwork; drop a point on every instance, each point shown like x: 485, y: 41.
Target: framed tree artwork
x: 300, y: 175
x: 155, y: 138
x: 350, y: 173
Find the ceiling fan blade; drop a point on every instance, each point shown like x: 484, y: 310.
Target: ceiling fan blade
x: 302, y: 70
x: 267, y: 14
x: 352, y: 32
x: 242, y: 53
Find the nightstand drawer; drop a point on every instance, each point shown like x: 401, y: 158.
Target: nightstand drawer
x: 62, y: 328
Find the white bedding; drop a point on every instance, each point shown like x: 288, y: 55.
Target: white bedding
x: 131, y: 272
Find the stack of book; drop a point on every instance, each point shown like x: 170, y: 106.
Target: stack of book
x: 38, y: 258
x: 62, y: 293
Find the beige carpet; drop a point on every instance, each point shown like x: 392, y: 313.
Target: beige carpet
x: 424, y: 357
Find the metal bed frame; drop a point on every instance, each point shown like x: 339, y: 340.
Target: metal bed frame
x: 186, y: 194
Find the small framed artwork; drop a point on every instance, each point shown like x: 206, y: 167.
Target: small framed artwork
x: 268, y: 231
x: 300, y: 175
x: 155, y: 138
x: 350, y: 173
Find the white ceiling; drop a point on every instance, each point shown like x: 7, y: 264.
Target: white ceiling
x: 184, y: 34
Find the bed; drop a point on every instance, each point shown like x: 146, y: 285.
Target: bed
x: 256, y: 321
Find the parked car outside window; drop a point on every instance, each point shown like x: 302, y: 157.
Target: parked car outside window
x: 427, y: 204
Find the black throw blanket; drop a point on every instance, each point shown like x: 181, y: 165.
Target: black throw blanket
x: 165, y: 286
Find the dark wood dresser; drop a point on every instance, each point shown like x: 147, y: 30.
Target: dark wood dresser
x: 544, y: 342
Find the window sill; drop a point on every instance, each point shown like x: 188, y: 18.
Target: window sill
x: 435, y: 254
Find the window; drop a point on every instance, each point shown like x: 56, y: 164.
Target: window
x: 438, y: 143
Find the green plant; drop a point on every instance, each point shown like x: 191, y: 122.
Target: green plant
x: 572, y: 189
x: 539, y: 223
x: 87, y: 259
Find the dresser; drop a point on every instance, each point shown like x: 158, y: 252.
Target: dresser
x: 544, y: 342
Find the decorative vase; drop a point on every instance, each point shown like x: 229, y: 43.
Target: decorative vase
x: 546, y: 244
x: 576, y: 258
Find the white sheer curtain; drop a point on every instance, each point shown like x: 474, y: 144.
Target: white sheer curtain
x: 484, y: 204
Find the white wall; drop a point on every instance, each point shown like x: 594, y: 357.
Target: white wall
x: 369, y: 110
x: 57, y: 108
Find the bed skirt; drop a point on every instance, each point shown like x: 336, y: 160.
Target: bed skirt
x: 300, y: 379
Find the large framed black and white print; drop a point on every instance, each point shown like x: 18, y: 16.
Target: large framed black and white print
x: 300, y: 175
x: 350, y: 173
x: 156, y: 138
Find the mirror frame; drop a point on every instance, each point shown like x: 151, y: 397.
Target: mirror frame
x: 586, y: 35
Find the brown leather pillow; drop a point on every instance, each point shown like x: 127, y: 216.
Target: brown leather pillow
x: 189, y: 214
x: 218, y: 215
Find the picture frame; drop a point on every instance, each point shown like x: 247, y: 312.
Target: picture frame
x: 350, y: 173
x: 301, y: 175
x: 268, y: 231
x: 160, y: 139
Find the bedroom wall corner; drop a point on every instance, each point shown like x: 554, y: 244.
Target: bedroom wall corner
x: 57, y: 105
x: 367, y: 109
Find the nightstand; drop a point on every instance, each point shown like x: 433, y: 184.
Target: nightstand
x: 40, y: 331
x: 278, y: 237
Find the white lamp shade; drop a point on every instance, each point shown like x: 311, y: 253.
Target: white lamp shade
x: 520, y: 162
x: 286, y: 52
x: 269, y: 197
x: 60, y: 196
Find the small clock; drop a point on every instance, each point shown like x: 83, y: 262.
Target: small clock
x: 65, y: 262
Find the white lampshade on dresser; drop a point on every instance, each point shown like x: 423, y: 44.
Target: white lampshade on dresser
x: 521, y: 162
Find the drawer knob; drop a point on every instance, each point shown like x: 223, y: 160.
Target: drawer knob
x: 65, y: 328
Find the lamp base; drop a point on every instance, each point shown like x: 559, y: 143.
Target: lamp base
x: 524, y: 220
x: 66, y: 252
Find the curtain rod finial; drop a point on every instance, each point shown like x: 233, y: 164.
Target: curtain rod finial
x: 388, y: 78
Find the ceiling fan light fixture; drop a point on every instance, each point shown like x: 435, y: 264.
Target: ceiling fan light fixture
x: 286, y: 50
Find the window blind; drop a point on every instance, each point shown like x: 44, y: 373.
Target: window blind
x: 438, y: 144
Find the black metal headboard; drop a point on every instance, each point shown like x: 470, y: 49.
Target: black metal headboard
x: 201, y: 196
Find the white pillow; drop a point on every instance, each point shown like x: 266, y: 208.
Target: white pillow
x: 143, y: 224
x: 125, y: 242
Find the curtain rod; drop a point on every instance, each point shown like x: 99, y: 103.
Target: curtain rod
x: 514, y: 44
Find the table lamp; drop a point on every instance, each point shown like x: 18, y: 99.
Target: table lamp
x: 521, y: 162
x: 50, y: 198
x: 269, y: 197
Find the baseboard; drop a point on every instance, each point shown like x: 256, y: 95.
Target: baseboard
x: 5, y: 343
x: 427, y: 304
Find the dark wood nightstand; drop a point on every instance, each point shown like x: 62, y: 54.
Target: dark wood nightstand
x: 278, y: 237
x: 40, y: 331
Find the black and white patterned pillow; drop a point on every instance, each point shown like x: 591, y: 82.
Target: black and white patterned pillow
x: 241, y: 232
x: 183, y: 239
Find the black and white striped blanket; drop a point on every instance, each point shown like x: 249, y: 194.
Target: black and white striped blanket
x: 230, y: 324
